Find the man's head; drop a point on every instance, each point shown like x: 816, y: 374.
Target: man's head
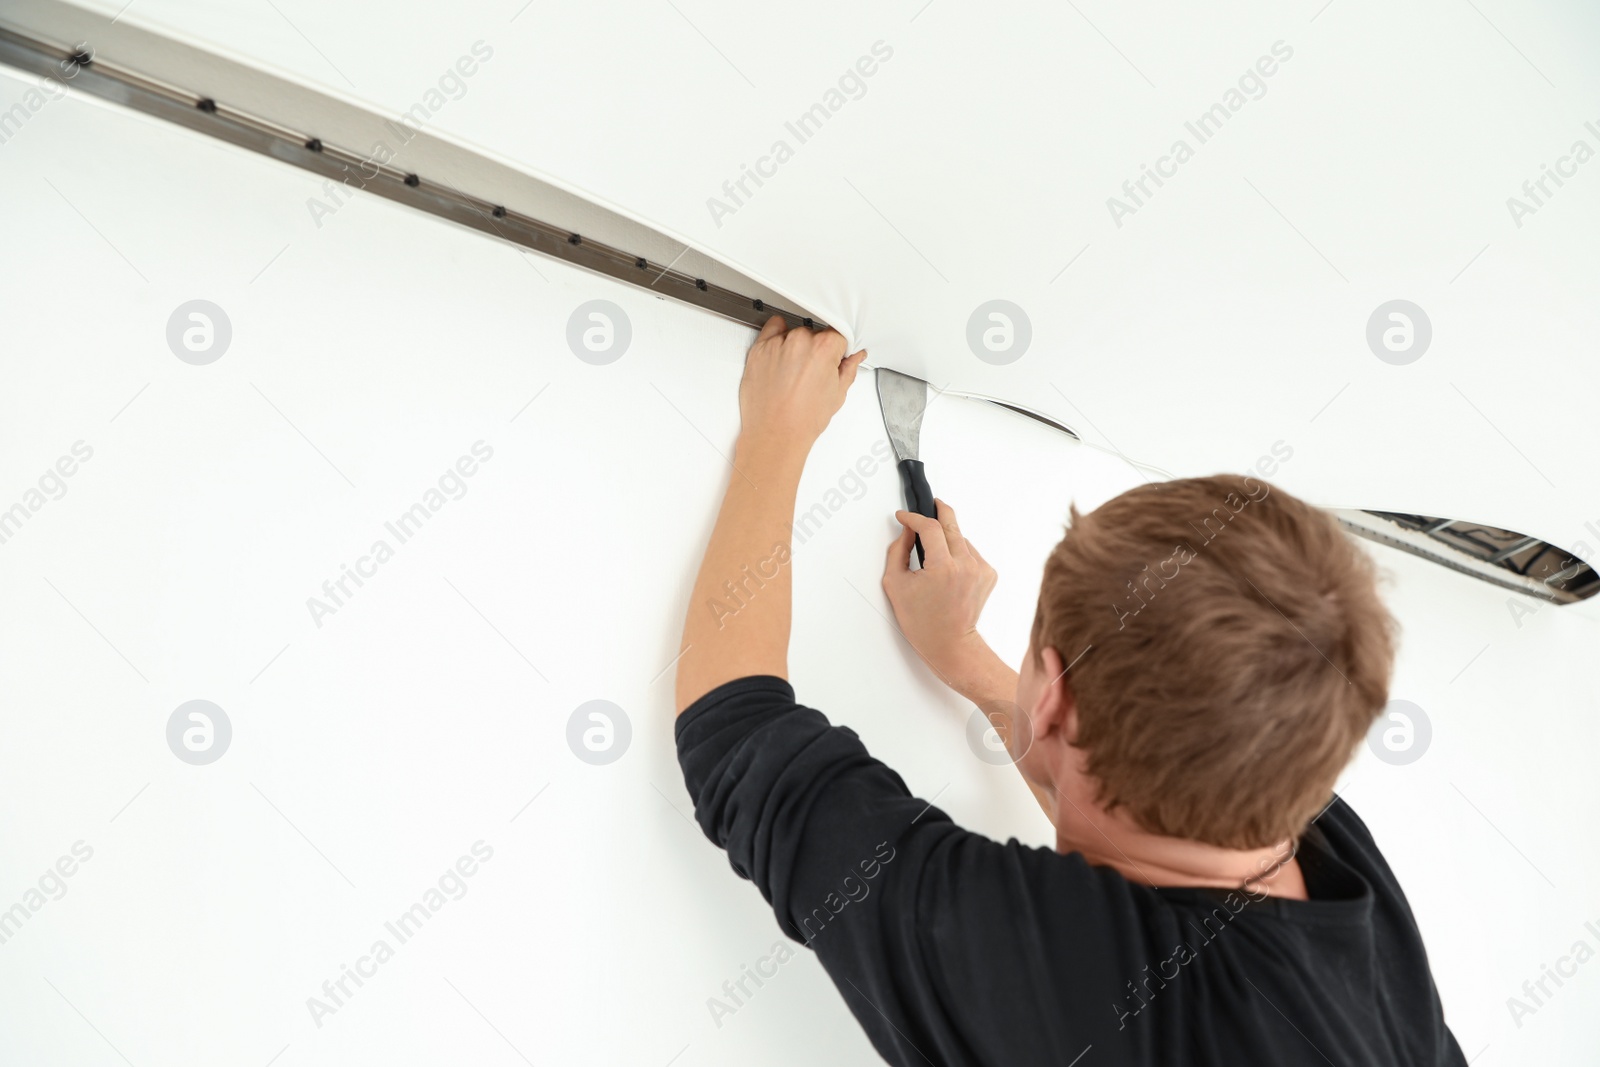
x: 1206, y: 655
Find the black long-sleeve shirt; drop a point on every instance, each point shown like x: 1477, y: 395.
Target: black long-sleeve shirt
x: 951, y: 948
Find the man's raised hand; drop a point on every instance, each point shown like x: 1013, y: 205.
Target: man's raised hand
x: 794, y: 381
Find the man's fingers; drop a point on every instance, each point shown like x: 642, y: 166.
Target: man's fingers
x: 774, y: 327
x: 829, y: 344
x: 934, y: 547
x: 847, y: 369
x: 898, y: 560
x: 976, y: 554
x: 952, y: 531
x: 992, y: 573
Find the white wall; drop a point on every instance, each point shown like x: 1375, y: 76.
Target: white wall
x: 372, y: 752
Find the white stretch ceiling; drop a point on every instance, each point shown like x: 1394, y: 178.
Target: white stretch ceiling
x: 1356, y: 153
x: 430, y: 711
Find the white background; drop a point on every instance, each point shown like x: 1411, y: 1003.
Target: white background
x: 370, y: 753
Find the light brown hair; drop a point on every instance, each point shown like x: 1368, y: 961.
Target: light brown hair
x: 1237, y: 653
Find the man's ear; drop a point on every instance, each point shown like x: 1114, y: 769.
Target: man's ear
x: 1055, y: 710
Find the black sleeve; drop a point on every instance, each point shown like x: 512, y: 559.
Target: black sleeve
x: 801, y: 808
x: 905, y: 910
x: 829, y: 835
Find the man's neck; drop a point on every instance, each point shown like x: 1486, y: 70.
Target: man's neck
x: 1113, y: 840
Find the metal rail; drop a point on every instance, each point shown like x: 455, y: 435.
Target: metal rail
x: 304, y: 149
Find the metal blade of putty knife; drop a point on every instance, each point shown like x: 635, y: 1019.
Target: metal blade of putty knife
x: 904, y: 399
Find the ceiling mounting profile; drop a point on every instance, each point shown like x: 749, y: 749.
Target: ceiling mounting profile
x: 1511, y: 560
x: 295, y: 129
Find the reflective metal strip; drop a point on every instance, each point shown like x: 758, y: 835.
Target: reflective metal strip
x: 301, y: 148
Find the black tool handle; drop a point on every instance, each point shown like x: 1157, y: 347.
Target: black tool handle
x: 919, y: 497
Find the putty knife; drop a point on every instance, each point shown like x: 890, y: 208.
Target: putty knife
x: 904, y: 399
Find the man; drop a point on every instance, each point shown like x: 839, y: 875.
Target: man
x: 1206, y: 656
